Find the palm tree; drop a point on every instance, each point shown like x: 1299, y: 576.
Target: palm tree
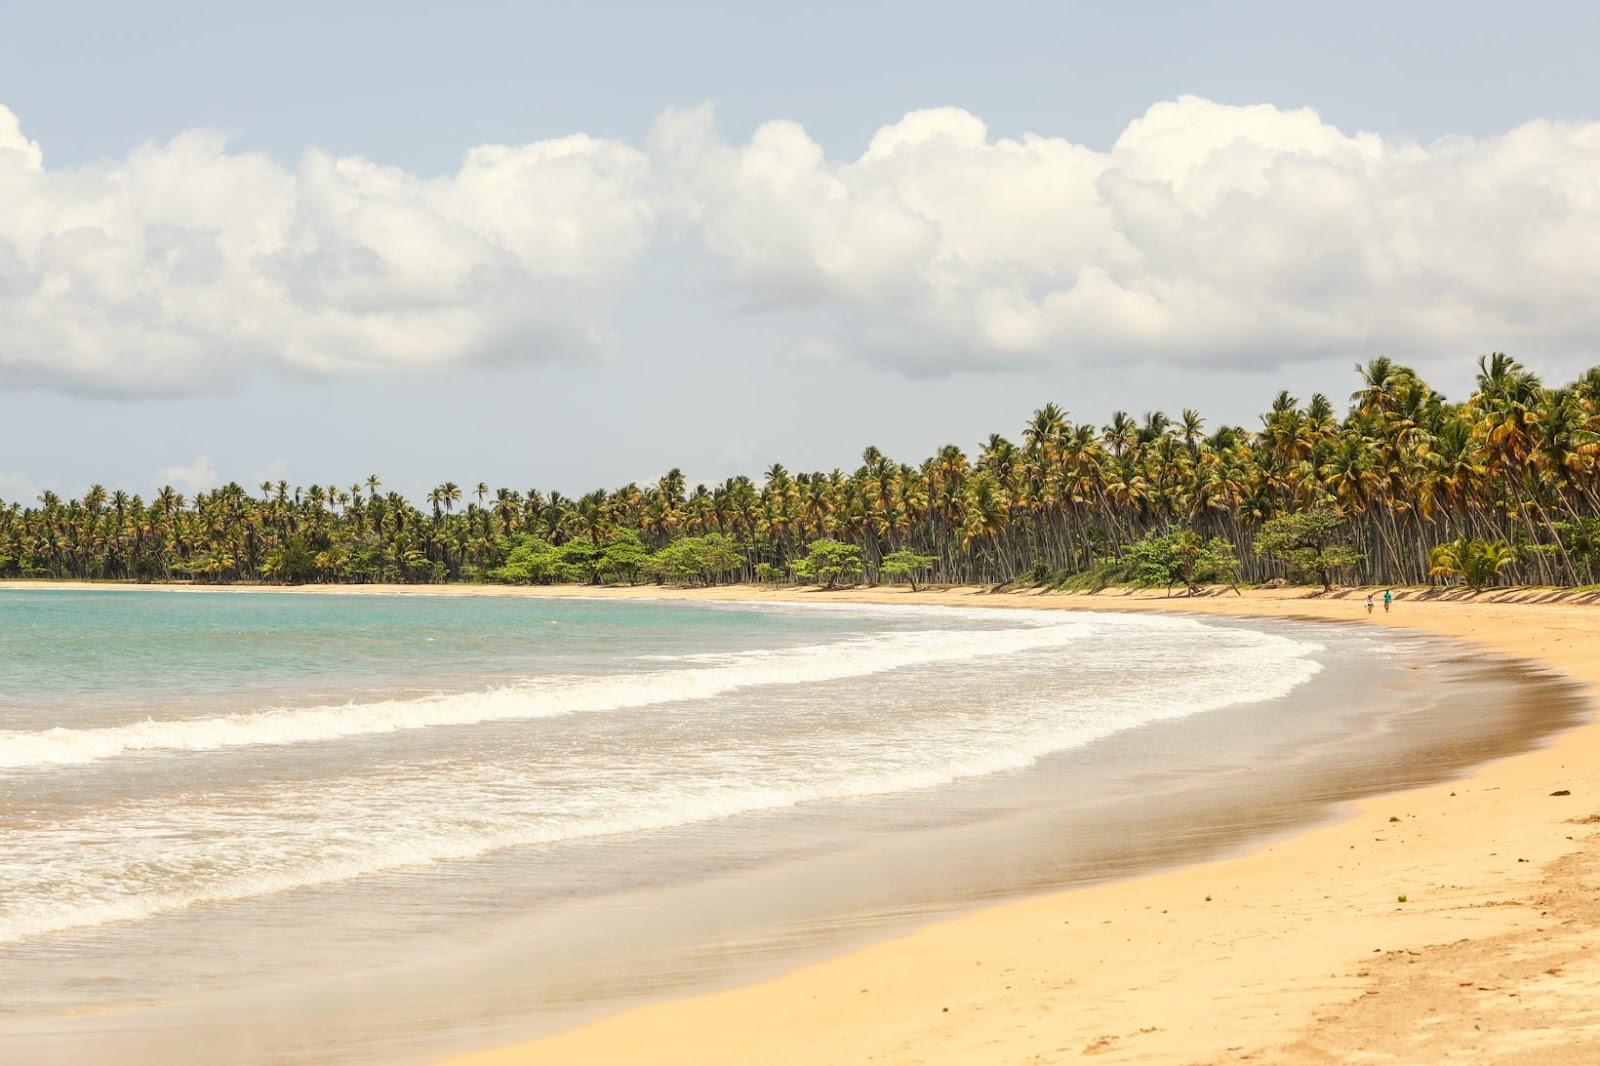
x: 1423, y: 483
x: 1476, y: 562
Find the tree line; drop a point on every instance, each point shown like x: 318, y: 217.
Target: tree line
x: 1405, y: 487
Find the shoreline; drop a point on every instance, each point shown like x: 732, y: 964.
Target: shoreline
x: 1302, y: 952
x: 1297, y: 950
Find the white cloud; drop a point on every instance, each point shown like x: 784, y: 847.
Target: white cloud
x: 182, y: 265
x: 14, y: 487
x: 1207, y: 234
x: 196, y: 476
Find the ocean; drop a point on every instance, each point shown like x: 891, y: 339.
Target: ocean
x: 286, y: 828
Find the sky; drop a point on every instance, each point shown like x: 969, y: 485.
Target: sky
x: 547, y: 247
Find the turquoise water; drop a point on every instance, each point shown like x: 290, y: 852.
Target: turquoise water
x: 136, y: 648
x: 222, y: 814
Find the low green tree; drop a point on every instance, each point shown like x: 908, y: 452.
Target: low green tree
x: 677, y: 561
x: 1182, y: 557
x: 625, y: 558
x: 1310, y: 545
x: 905, y: 564
x: 828, y: 562
x: 532, y: 562
x: 720, y: 557
x: 699, y: 560
x: 581, y: 560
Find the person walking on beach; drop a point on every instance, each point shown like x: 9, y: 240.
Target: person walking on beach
x: 1388, y: 598
x: 1369, y: 603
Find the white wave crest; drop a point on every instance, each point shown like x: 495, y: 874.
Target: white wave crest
x: 407, y: 822
x: 541, y: 698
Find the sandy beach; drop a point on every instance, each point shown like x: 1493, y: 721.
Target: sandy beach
x: 974, y: 535
x: 1300, y: 951
x: 1451, y: 922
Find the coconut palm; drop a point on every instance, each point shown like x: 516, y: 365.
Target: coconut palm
x: 1502, y: 486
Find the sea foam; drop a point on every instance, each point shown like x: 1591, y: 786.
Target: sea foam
x: 703, y: 677
x: 146, y: 859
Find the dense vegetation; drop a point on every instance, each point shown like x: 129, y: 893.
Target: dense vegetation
x: 1405, y: 488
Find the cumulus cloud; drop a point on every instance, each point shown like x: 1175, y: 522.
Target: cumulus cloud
x: 1206, y: 234
x: 196, y: 476
x: 184, y: 264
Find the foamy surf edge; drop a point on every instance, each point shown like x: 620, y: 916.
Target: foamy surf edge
x: 540, y: 698
x: 444, y: 843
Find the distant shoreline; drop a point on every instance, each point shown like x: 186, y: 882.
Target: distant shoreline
x: 967, y: 595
